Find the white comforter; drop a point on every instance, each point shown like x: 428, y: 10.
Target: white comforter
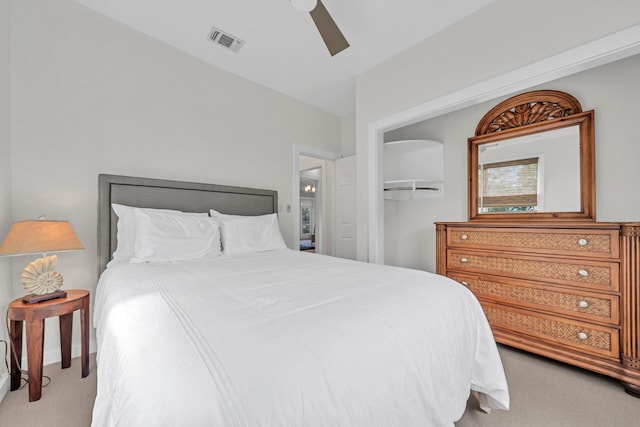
x: 284, y: 338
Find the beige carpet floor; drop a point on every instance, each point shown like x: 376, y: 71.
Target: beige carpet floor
x: 543, y: 393
x: 67, y: 401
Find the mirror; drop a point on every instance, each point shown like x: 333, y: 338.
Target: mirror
x: 532, y: 158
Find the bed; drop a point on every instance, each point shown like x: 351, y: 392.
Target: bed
x: 248, y: 337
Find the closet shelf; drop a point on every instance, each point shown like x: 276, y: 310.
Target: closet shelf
x: 413, y: 169
x: 411, y: 189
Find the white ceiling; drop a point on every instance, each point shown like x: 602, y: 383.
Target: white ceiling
x: 283, y: 50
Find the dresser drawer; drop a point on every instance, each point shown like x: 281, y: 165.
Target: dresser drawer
x: 583, y: 274
x: 571, y: 242
x: 584, y: 305
x: 587, y: 337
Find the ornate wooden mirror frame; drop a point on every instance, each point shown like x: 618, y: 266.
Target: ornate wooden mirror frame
x: 528, y: 114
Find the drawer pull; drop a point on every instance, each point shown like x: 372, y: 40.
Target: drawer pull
x: 464, y: 260
x: 583, y: 304
x: 583, y: 273
x: 583, y: 336
x: 464, y: 283
x: 583, y: 242
x: 464, y: 237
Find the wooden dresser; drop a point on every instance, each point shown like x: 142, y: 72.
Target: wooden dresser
x: 569, y: 291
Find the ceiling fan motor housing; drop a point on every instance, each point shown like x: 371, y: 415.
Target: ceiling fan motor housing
x: 304, y: 5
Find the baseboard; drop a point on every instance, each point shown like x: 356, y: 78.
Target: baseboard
x: 4, y: 385
x: 53, y: 356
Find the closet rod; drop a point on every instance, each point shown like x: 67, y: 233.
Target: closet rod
x: 411, y: 188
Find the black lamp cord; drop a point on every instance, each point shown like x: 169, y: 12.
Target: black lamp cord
x: 24, y: 373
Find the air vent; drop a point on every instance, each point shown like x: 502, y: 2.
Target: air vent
x: 225, y: 39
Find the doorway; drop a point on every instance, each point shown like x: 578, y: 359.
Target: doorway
x: 310, y: 183
x: 311, y: 204
x: 313, y: 168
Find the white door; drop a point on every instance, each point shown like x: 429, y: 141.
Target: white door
x: 346, y: 207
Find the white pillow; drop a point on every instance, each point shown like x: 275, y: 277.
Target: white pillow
x: 166, y: 236
x: 251, y: 234
x: 220, y: 216
x: 126, y: 234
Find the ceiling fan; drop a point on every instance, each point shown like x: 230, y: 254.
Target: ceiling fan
x: 329, y: 31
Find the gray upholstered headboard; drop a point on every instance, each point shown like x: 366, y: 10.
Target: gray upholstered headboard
x: 163, y: 194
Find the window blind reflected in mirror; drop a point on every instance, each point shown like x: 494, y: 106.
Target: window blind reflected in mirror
x: 509, y: 186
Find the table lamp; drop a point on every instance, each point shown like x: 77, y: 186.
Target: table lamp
x: 40, y: 236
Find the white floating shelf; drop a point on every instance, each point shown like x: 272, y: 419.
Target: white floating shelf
x: 413, y: 169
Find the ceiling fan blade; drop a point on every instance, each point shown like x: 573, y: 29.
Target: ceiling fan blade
x: 329, y: 31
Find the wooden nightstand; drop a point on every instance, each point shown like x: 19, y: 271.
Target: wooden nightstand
x: 33, y: 315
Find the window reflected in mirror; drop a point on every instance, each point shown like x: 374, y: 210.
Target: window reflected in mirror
x: 510, y: 186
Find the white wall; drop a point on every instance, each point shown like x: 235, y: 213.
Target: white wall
x: 93, y: 96
x: 5, y: 160
x: 503, y: 36
x: 611, y: 90
x: 349, y: 135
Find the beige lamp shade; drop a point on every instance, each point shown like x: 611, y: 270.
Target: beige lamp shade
x: 39, y: 236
